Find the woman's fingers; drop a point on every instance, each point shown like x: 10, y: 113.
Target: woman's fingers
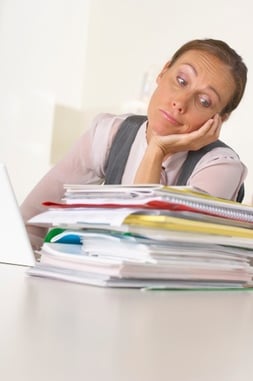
x: 191, y: 141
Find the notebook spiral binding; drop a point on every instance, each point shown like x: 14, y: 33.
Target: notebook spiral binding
x: 230, y: 210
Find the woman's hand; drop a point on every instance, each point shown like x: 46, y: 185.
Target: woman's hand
x: 191, y: 141
x: 159, y: 147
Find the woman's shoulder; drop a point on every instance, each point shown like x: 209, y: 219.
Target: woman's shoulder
x: 108, y: 120
x: 220, y: 154
x: 222, y: 161
x: 104, y: 127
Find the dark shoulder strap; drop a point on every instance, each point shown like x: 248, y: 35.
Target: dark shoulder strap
x: 120, y: 148
x: 192, y: 159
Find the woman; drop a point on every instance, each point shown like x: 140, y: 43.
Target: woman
x: 196, y: 92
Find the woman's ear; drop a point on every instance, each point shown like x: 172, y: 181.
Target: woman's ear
x: 163, y: 71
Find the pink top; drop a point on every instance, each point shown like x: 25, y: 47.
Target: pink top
x: 220, y: 172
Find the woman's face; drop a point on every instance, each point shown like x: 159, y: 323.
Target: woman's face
x: 195, y: 88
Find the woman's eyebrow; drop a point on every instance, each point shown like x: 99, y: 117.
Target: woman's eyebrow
x: 191, y: 67
x: 215, y: 91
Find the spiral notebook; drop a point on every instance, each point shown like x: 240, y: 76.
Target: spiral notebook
x: 15, y: 244
x: 173, y: 198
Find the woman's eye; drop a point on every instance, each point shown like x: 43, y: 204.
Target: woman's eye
x: 204, y: 102
x: 181, y: 81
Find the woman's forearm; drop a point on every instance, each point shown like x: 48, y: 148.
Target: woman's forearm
x: 149, y: 170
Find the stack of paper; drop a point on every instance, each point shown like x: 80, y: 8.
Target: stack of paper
x: 148, y: 237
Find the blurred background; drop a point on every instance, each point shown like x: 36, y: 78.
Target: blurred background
x: 64, y: 61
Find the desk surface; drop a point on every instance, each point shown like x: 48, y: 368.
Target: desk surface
x: 56, y: 331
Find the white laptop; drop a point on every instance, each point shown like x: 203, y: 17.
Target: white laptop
x: 15, y: 247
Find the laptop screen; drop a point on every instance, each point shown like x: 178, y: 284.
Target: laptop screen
x: 15, y: 247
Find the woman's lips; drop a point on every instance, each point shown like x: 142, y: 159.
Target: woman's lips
x: 169, y: 117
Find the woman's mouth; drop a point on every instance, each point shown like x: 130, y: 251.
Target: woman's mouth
x: 169, y: 117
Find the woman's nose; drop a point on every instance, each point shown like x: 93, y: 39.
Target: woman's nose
x: 179, y: 104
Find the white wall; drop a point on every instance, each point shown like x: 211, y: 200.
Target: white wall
x: 91, y: 56
x: 42, y: 50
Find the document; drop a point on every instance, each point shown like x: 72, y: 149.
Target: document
x: 146, y: 237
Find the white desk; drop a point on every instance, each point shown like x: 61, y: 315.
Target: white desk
x: 56, y: 331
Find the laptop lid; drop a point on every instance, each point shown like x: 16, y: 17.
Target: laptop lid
x: 15, y: 247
